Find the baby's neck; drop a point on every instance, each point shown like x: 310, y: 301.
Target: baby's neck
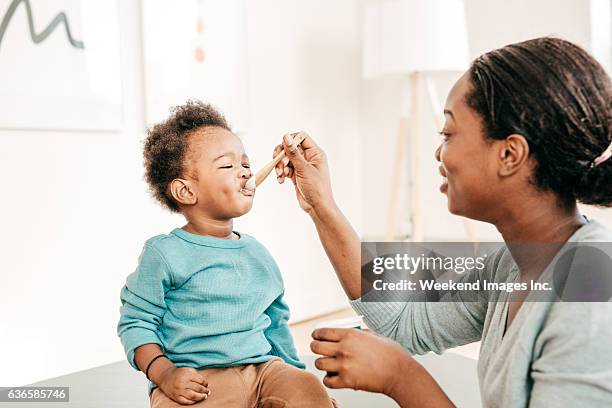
x: 211, y: 227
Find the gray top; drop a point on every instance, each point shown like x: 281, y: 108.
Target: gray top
x: 554, y: 354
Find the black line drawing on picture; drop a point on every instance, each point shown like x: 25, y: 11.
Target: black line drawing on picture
x: 38, y: 38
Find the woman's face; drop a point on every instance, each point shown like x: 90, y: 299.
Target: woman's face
x: 468, y: 162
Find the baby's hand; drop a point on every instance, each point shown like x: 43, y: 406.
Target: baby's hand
x: 334, y: 403
x: 184, y: 385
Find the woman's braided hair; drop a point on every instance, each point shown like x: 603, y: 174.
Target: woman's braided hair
x: 560, y: 99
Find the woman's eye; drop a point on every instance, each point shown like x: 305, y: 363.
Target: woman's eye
x: 445, y: 134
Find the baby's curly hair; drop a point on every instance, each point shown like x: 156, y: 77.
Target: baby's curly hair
x: 167, y: 144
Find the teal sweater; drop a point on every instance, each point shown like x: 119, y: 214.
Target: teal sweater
x: 208, y: 302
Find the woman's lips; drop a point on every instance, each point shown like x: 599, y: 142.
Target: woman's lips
x: 444, y: 185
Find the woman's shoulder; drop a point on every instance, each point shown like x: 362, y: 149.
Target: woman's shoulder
x: 576, y: 325
x: 574, y: 345
x: 586, y: 295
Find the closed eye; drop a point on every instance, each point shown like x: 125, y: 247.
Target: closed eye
x: 445, y: 134
x: 229, y: 166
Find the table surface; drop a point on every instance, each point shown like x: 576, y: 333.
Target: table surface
x: 118, y: 385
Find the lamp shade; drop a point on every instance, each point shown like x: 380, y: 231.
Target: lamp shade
x: 403, y: 36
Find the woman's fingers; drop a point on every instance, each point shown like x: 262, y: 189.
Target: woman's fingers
x: 285, y: 163
x: 307, y: 169
x: 328, y: 364
x: 330, y: 334
x: 334, y: 381
x: 284, y: 168
x: 324, y: 348
x: 308, y: 142
x: 279, y: 166
x: 294, y: 153
x: 277, y: 150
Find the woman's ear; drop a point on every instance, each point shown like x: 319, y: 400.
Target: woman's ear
x: 183, y: 191
x: 514, y: 153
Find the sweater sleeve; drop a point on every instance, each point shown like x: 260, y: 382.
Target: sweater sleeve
x: 424, y: 326
x: 143, y: 302
x: 278, y: 333
x: 421, y: 327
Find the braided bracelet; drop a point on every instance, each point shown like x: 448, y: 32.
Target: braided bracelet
x: 149, y: 366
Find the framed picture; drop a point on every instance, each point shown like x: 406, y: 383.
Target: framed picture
x: 196, y: 49
x: 59, y: 65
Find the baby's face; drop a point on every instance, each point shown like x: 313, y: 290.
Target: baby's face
x: 221, y: 168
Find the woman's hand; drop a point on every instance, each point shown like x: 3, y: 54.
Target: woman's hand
x: 360, y: 360
x: 306, y: 166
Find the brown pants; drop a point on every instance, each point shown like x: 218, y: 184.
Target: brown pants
x: 273, y: 384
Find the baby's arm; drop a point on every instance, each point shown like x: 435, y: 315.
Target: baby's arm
x: 278, y: 333
x: 143, y: 303
x: 182, y: 384
x: 143, y: 308
x: 145, y: 354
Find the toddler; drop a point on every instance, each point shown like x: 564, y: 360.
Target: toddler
x: 203, y: 315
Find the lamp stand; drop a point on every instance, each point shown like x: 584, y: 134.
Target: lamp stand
x: 411, y: 128
x: 408, y: 128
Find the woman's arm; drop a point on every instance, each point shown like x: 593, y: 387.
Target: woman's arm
x: 420, y: 327
x: 342, y: 246
x: 386, y: 367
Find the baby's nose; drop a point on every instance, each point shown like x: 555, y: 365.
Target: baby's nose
x: 246, y: 173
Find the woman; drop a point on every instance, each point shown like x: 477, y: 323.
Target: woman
x: 528, y: 134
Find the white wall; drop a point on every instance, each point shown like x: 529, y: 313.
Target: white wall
x: 491, y: 24
x: 74, y: 216
x: 75, y: 212
x: 304, y: 73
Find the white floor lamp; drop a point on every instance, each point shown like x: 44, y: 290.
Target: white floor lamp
x: 413, y: 38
